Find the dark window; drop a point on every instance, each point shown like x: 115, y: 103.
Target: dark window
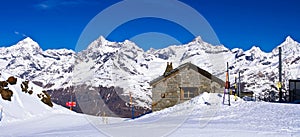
x: 188, y: 92
x: 294, y: 90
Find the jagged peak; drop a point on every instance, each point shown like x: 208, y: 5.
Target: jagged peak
x: 27, y: 43
x: 288, y: 44
x: 198, y: 39
x: 105, y: 45
x: 102, y: 38
x: 27, y: 40
x: 99, y: 42
x: 256, y: 49
x: 289, y: 39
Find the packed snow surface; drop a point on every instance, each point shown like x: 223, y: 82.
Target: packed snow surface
x: 204, y: 115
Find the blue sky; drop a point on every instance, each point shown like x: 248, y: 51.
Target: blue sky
x: 237, y: 23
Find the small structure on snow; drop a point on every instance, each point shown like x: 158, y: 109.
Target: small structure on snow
x: 181, y: 84
x: 294, y: 90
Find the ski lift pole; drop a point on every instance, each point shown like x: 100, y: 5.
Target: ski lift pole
x: 235, y: 88
x: 280, y: 76
x: 228, y: 85
x: 239, y: 85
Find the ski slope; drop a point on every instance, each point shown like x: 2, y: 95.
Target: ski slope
x: 204, y: 115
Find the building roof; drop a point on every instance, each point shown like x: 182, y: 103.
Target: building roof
x: 191, y: 66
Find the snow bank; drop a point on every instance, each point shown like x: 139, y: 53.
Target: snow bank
x: 204, y: 115
x: 24, y: 106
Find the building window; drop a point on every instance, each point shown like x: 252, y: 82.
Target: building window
x: 188, y: 92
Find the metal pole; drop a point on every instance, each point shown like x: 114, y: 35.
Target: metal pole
x: 71, y: 102
x: 229, y: 86
x: 235, y: 85
x: 239, y: 85
x: 280, y: 76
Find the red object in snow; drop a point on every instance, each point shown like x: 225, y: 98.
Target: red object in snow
x: 71, y: 104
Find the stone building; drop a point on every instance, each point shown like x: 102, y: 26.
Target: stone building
x: 181, y: 84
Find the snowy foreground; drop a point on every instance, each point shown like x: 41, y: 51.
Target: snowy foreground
x: 202, y: 116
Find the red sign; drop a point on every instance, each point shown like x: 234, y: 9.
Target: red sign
x: 71, y: 104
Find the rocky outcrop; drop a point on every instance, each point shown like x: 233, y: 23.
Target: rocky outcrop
x: 12, y: 80
x: 45, y: 98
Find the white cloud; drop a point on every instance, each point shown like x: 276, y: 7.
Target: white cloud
x: 22, y: 34
x: 49, y: 4
x: 16, y: 32
x: 42, y: 6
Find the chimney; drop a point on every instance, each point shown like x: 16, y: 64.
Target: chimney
x: 171, y: 66
x: 168, y: 69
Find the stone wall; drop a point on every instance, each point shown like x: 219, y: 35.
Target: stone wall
x: 166, y: 92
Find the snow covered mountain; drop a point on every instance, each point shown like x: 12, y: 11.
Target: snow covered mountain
x: 116, y: 69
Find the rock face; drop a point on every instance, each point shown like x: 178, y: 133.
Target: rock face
x: 124, y: 65
x: 97, y: 101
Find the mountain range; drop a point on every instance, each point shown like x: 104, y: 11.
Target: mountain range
x: 109, y: 73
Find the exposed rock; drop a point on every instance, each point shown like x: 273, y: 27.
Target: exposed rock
x: 30, y: 92
x: 3, y: 84
x: 12, y: 80
x: 45, y: 98
x: 6, y: 94
x: 24, y: 86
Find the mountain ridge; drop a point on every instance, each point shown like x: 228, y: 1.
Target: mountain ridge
x: 125, y: 65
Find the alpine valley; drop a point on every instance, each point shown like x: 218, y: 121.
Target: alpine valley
x: 108, y: 73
